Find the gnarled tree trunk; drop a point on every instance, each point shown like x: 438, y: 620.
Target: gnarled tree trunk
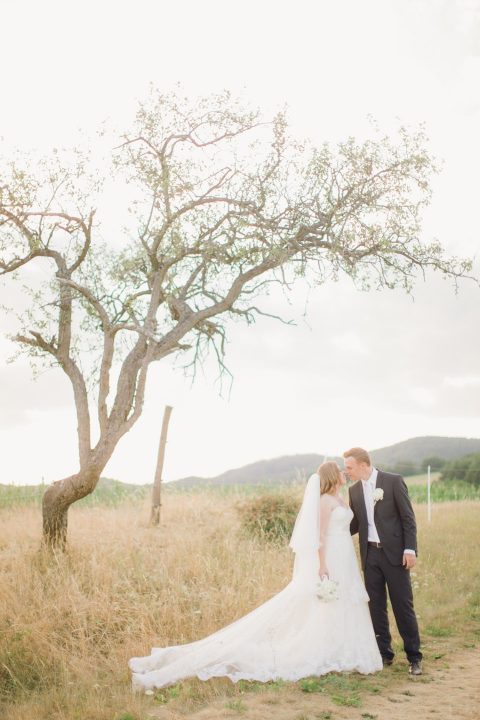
x: 56, y: 501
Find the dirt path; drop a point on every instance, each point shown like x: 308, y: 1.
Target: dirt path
x: 444, y: 692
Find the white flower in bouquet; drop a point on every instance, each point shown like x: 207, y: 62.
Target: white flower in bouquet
x: 327, y: 589
x: 377, y: 495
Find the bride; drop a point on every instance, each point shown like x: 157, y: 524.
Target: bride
x: 294, y: 634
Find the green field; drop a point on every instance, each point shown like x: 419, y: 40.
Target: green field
x: 111, y: 493
x: 108, y: 493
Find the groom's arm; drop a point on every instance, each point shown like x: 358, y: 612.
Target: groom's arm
x: 354, y: 524
x: 407, y: 516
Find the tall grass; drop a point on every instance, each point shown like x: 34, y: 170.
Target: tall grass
x: 69, y: 624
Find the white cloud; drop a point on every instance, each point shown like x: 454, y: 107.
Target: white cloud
x: 462, y: 381
x: 421, y: 397
x: 350, y: 342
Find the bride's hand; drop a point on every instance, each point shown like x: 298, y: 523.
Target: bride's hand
x: 323, y: 572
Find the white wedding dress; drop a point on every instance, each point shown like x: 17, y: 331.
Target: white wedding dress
x: 291, y: 636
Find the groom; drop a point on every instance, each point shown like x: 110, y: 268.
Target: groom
x: 384, y: 518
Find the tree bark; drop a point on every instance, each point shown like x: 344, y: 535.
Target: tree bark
x: 56, y: 501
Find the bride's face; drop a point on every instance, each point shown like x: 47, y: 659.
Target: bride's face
x: 342, y: 479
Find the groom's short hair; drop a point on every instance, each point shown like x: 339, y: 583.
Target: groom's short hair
x: 359, y: 454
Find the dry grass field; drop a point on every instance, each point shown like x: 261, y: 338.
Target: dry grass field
x: 68, y: 626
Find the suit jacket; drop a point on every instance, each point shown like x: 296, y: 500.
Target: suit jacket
x: 393, y: 515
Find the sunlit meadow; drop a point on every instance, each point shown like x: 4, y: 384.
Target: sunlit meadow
x: 69, y: 625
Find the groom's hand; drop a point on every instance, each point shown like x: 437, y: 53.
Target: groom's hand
x: 409, y: 561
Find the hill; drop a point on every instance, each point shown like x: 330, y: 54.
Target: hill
x: 285, y: 469
x: 417, y: 449
x: 292, y: 468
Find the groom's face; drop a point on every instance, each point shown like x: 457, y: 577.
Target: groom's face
x: 357, y: 470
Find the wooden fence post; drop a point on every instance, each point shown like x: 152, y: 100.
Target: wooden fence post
x: 157, y: 483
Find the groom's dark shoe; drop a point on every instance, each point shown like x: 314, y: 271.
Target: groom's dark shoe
x: 415, y: 668
x: 387, y: 661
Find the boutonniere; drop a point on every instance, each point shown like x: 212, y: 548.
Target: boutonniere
x: 377, y: 495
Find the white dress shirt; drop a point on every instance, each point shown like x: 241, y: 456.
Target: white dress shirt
x: 369, y: 486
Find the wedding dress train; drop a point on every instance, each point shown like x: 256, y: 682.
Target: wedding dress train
x: 291, y: 636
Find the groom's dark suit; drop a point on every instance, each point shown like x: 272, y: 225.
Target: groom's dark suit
x: 383, y: 566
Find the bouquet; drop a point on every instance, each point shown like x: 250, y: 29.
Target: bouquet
x: 327, y: 590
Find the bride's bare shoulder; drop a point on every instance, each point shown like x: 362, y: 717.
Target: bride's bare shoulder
x: 327, y: 500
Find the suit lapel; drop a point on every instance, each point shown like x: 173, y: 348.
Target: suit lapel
x: 361, y: 500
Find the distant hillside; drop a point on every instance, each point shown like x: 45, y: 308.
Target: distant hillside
x: 280, y: 470
x: 292, y: 468
x: 417, y: 449
x: 286, y: 469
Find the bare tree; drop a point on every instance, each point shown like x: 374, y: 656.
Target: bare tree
x: 224, y: 205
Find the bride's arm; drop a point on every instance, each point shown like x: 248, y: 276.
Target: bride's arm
x: 325, y: 512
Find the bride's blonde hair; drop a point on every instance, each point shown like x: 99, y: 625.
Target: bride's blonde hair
x: 329, y: 476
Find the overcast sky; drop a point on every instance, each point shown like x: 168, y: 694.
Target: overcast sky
x: 358, y: 368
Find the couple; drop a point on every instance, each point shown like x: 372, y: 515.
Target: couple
x: 295, y: 634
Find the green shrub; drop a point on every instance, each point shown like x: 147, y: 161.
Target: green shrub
x: 405, y: 468
x: 466, y: 469
x: 269, y: 517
